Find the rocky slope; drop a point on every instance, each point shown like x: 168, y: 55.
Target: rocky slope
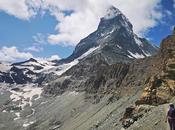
x: 159, y: 88
x: 140, y: 86
x: 100, y: 88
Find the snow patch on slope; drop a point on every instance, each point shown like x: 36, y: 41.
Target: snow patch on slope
x: 17, y: 116
x: 119, y: 47
x: 31, y: 63
x: 4, y: 67
x: 45, y: 65
x: 73, y: 93
x: 137, y: 40
x: 146, y: 53
x: 28, y: 123
x: 88, y: 52
x: 136, y: 55
x: 64, y: 67
x: 25, y: 95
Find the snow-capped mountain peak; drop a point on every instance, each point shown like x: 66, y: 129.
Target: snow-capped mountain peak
x: 112, y: 12
x: 32, y: 70
x: 116, y: 32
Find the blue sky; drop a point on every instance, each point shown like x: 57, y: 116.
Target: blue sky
x: 19, y: 33
x: 164, y: 27
x: 44, y: 29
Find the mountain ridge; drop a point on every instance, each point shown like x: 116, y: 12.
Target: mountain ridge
x: 114, y: 38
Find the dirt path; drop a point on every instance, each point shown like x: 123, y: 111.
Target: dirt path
x: 165, y: 111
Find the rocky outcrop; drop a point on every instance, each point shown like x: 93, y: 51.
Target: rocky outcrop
x: 30, y: 71
x: 160, y: 88
x: 17, y: 75
x: 107, y: 79
x: 133, y: 114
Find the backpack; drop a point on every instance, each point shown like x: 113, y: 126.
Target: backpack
x: 171, y: 113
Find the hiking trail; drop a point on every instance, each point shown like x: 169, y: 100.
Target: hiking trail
x: 165, y: 112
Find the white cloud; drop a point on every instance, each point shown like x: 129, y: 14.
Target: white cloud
x: 10, y: 54
x: 143, y: 14
x: 54, y: 57
x: 168, y: 13
x: 39, y: 40
x: 174, y: 3
x: 17, y: 8
x: 34, y: 49
x: 80, y: 23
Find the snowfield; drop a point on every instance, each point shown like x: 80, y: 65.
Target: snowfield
x: 26, y: 94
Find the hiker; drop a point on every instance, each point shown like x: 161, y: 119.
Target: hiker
x: 171, y: 117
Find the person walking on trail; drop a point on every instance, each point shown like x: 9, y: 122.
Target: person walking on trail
x: 171, y: 116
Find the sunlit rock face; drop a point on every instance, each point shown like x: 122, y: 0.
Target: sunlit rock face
x: 160, y: 88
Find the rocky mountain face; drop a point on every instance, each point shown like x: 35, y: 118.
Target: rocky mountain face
x: 114, y: 33
x: 114, y: 42
x: 159, y: 88
x: 30, y: 71
x: 154, y: 75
